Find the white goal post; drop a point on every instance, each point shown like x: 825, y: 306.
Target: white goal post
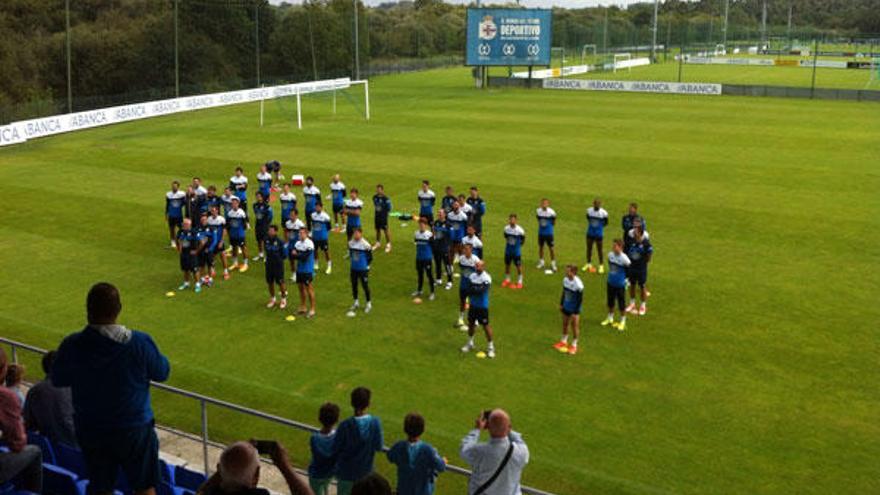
x: 622, y: 56
x: 335, y: 87
x: 584, y: 53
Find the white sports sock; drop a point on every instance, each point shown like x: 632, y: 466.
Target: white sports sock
x: 491, y: 346
x: 611, y: 316
x: 574, y: 343
x: 632, y: 300
x: 461, y: 315
x: 564, y: 339
x: 623, y: 319
x: 471, y: 341
x: 520, y: 279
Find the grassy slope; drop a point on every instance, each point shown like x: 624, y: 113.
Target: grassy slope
x: 755, y: 371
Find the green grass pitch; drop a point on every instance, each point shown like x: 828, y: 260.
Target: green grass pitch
x: 755, y: 371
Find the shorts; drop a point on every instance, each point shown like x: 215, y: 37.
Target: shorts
x: 592, y: 237
x: 381, y: 223
x: 304, y: 278
x: 440, y: 249
x: 545, y: 239
x: 206, y: 258
x: 235, y: 242
x: 462, y: 294
x: 570, y: 313
x: 637, y: 277
x: 478, y: 315
x: 337, y: 209
x: 132, y: 451
x: 175, y: 222
x: 617, y: 294
x: 510, y: 258
x: 429, y: 216
x: 322, y: 245
x: 349, y: 229
x: 219, y: 248
x: 261, y: 233
x: 188, y: 262
x: 274, y: 273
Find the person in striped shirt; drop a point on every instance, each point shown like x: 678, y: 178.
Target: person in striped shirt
x: 514, y: 237
x: 570, y: 306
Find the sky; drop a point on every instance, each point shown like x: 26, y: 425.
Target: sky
x: 525, y: 3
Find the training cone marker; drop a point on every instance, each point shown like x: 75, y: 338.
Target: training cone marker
x: 417, y: 300
x: 481, y: 355
x: 170, y: 293
x: 548, y: 271
x: 290, y: 318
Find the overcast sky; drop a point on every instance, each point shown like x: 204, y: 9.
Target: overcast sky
x: 526, y: 3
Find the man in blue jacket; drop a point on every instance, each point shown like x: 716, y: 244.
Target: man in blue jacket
x: 357, y: 440
x: 109, y: 368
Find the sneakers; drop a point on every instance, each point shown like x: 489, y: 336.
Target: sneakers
x: 572, y: 350
x: 540, y: 264
x: 448, y: 285
x: 234, y: 266
x: 243, y: 268
x: 439, y: 281
x: 257, y: 257
x: 376, y: 246
x: 506, y: 283
x: 431, y: 297
x: 183, y: 286
x: 631, y: 308
x: 491, y: 353
x: 173, y: 245
x: 417, y: 293
x: 310, y: 314
x: 620, y: 326
x: 283, y: 303
x: 271, y: 303
x: 643, y: 309
x: 293, y: 277
x: 561, y: 346
x: 329, y: 269
x: 198, y: 288
x: 458, y: 324
x: 601, y: 269
x: 368, y: 307
x: 587, y: 267
x: 388, y: 248
x: 608, y: 321
x: 467, y: 347
x: 516, y: 286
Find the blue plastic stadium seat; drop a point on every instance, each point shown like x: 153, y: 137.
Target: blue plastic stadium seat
x: 167, y: 472
x: 44, y: 444
x: 70, y: 459
x: 187, y: 479
x: 59, y: 481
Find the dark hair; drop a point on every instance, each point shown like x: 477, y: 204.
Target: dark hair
x: 634, y: 205
x: 14, y: 374
x: 513, y: 215
x: 239, y: 169
x: 360, y: 398
x: 380, y: 186
x: 328, y: 415
x: 273, y: 227
x: 48, y: 361
x: 618, y: 242
x: 426, y: 182
x: 474, y: 188
x: 310, y: 178
x: 260, y: 195
x: 414, y: 425
x: 102, y: 303
x: 212, y: 187
x: 175, y: 182
x: 354, y: 190
x: 198, y: 179
x: 371, y: 484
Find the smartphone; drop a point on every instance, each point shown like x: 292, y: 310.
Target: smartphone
x: 265, y: 447
x: 486, y: 414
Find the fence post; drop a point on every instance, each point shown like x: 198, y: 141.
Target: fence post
x: 14, y: 354
x: 815, y: 57
x: 205, y: 435
x: 367, y: 97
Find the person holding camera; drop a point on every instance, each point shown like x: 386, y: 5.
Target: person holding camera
x: 496, y: 465
x: 238, y: 471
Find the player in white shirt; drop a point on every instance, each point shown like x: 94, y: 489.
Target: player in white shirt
x: 473, y: 241
x: 320, y: 229
x: 618, y: 262
x: 478, y: 313
x: 597, y: 219
x: 217, y: 224
x: 337, y: 198
x: 514, y: 237
x: 570, y: 305
x: 353, y: 206
x: 292, y: 226
x: 467, y: 262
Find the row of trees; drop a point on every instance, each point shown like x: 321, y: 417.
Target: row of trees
x: 124, y: 50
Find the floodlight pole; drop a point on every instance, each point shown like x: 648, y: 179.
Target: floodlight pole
x: 724, y: 29
x: 257, y: 37
x: 67, y: 42
x: 605, y: 34
x: 788, y: 34
x: 654, y: 33
x: 764, y: 25
x: 357, y: 56
x: 176, y: 56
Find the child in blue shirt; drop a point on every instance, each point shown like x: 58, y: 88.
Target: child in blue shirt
x: 323, y: 465
x: 357, y: 440
x: 418, y: 463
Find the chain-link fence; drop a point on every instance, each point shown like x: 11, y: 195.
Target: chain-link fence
x: 73, y: 55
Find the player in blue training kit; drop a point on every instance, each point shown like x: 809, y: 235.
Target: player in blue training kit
x: 237, y: 225
x: 440, y: 248
x: 478, y: 292
x: 274, y: 167
x: 361, y: 255
x: 467, y: 262
x: 312, y: 198
x: 211, y: 200
x: 206, y: 246
x: 353, y: 208
x: 616, y: 290
x: 478, y: 207
x: 239, y: 184
x: 321, y: 226
x: 546, y: 225
x: 305, y: 272
x: 628, y: 222
x: 514, y: 237
x: 337, y: 199
x: 263, y: 215
x: 189, y: 245
x: 226, y: 200
x: 424, y: 257
x: 473, y: 240
x: 288, y: 202
x: 426, y: 199
x: 381, y: 209
x: 217, y: 224
x: 264, y: 182
x: 276, y: 253
x: 597, y: 219
x: 458, y: 220
x: 448, y: 200
x: 174, y: 203
x: 570, y: 306
x: 639, y: 251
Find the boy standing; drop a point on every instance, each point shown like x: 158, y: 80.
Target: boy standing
x: 323, y: 465
x: 418, y: 463
x: 357, y: 440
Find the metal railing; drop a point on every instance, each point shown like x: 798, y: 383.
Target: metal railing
x: 205, y: 400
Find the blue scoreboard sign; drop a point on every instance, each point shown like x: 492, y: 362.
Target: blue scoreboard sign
x: 508, y: 36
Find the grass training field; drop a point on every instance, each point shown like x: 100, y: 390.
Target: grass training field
x: 755, y: 370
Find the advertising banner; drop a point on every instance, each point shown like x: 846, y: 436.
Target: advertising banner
x: 634, y: 86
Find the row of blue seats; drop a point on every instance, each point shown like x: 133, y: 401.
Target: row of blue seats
x: 64, y: 472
